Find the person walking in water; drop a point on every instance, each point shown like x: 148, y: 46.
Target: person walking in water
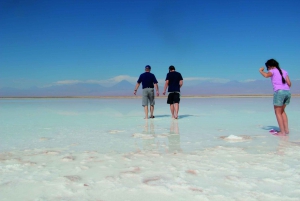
x: 282, y: 96
x: 174, y: 82
x: 148, y: 81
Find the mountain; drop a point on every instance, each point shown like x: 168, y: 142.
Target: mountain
x: 80, y: 89
x: 232, y: 87
x: 235, y: 88
x: 125, y: 88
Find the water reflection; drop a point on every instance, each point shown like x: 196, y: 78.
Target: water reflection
x: 149, y: 136
x: 286, y: 145
x: 174, y: 137
x: 283, y: 144
x: 161, y: 140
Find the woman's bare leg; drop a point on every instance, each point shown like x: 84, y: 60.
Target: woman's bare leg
x: 278, y: 112
x: 285, y: 121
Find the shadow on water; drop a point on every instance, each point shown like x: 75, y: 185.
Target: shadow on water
x: 161, y: 116
x: 179, y: 116
x: 186, y: 115
x: 270, y: 127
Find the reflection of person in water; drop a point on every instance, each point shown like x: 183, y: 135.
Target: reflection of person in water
x: 149, y: 139
x: 174, y: 137
x: 283, y: 144
x: 152, y: 142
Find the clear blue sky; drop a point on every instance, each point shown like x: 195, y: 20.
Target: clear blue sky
x: 46, y: 42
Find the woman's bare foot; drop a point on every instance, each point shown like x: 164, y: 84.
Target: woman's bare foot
x: 287, y: 131
x: 280, y: 134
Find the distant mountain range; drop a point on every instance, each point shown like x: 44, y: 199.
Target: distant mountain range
x: 125, y: 88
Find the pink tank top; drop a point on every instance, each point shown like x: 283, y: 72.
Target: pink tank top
x: 277, y: 80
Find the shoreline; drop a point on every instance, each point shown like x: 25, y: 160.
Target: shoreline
x: 138, y: 97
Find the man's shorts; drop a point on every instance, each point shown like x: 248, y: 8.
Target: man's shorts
x: 281, y: 97
x: 173, y: 97
x: 148, y: 95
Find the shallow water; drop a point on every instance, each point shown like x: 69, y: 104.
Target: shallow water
x: 103, y: 149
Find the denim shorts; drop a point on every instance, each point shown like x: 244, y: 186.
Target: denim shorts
x: 281, y: 97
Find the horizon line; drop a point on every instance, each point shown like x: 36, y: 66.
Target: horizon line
x: 137, y: 97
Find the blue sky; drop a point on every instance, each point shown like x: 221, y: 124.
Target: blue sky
x: 44, y: 43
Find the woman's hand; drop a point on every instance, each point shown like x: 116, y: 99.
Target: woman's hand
x: 261, y: 69
x: 265, y: 74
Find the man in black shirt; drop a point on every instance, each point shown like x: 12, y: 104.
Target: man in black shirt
x: 174, y: 82
x: 148, y: 81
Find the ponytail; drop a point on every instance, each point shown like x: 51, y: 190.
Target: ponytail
x: 273, y: 62
x: 282, y: 78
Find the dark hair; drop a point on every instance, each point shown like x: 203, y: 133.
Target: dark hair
x: 171, y: 68
x: 274, y: 63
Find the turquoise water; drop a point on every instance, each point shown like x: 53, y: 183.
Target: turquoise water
x: 109, y: 124
x: 103, y: 149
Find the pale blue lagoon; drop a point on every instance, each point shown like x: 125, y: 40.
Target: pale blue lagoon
x: 218, y: 149
x: 110, y: 124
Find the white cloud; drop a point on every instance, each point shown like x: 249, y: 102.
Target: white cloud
x: 67, y: 82
x: 117, y: 79
x: 249, y: 80
x: 107, y: 82
x: 114, y: 80
x: 196, y: 80
x: 216, y: 80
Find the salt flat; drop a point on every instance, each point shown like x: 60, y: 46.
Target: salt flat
x: 103, y: 149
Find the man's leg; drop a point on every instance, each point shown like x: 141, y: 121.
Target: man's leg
x: 171, y: 102
x: 152, y: 102
x: 151, y: 111
x: 146, y: 111
x: 176, y: 104
x: 145, y: 102
x: 176, y: 110
x: 172, y: 110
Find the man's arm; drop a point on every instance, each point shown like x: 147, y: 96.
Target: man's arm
x: 156, y: 87
x: 136, y: 88
x: 165, y: 87
x: 180, y: 83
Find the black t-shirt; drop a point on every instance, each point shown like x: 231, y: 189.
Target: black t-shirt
x: 174, y: 79
x: 147, y: 79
